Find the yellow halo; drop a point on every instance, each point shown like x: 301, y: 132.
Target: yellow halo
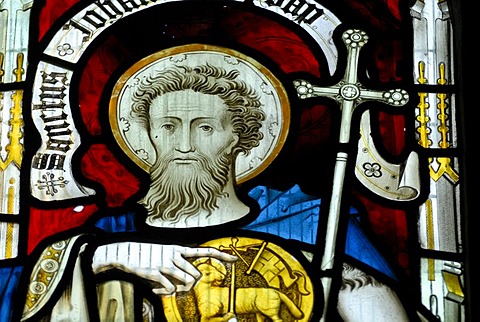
x: 131, y: 136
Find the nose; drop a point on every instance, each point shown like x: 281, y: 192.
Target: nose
x: 184, y: 142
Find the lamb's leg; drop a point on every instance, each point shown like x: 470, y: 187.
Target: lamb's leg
x: 260, y: 317
x: 270, y: 308
x: 276, y: 318
x: 225, y: 318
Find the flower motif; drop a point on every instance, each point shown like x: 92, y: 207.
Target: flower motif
x: 304, y: 88
x: 231, y: 60
x: 142, y: 154
x: 49, y: 265
x: 372, y: 170
x: 65, y: 49
x: 355, y: 37
x: 124, y: 124
x: 178, y: 58
x: 273, y: 128
x: 38, y: 287
x: 59, y: 245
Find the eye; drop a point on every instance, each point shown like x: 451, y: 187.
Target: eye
x: 206, y: 128
x: 168, y: 127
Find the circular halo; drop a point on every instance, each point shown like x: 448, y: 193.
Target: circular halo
x: 131, y: 135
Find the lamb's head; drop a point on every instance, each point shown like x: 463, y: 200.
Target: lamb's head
x: 213, y: 271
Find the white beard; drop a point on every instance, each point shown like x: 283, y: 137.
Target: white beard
x: 182, y: 191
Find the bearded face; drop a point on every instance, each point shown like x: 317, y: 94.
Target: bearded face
x: 179, y: 191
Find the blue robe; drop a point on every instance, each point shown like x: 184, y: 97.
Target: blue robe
x: 290, y: 214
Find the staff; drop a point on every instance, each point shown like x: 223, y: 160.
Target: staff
x: 348, y: 93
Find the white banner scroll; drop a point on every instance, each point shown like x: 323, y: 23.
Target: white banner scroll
x: 52, y: 177
x: 51, y: 173
x: 399, y: 182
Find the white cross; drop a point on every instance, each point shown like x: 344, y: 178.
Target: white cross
x: 348, y: 93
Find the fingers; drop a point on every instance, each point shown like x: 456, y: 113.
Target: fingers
x: 186, y: 267
x: 170, y: 261
x: 186, y: 278
x: 156, y: 276
x: 162, y: 291
x: 209, y: 252
x: 185, y: 281
x: 184, y: 272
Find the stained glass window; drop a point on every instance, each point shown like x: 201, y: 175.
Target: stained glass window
x: 230, y: 160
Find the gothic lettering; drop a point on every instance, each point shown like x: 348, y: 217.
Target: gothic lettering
x: 52, y: 118
x: 108, y: 10
x: 62, y: 145
x: 310, y: 14
x: 52, y: 93
x: 300, y: 9
x: 54, y: 78
x: 46, y: 161
x: 58, y: 129
x: 87, y: 32
x: 48, y: 105
x: 95, y: 19
x: 127, y: 5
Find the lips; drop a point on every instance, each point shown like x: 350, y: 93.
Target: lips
x: 184, y: 160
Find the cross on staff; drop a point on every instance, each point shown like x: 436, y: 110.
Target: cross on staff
x: 348, y: 93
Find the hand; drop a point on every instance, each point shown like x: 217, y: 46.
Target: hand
x: 156, y: 262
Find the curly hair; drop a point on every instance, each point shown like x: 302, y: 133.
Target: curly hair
x: 243, y: 103
x: 353, y: 278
